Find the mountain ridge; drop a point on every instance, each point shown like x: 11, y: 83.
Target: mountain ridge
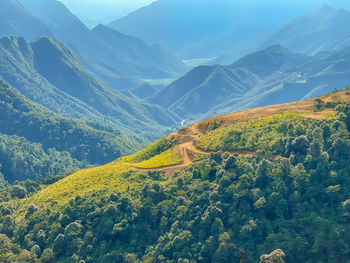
x: 16, y: 20
x: 269, y: 76
x: 97, y: 50
x: 72, y: 90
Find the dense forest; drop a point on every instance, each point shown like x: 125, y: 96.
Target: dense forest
x: 291, y: 197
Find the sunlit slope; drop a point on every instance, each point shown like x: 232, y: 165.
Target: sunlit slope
x: 248, y: 130
x: 110, y: 177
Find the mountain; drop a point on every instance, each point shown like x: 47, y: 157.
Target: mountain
x: 232, y: 188
x: 202, y: 88
x: 323, y: 29
x: 206, y: 29
x: 16, y: 20
x: 37, y: 131
x: 112, y: 56
x: 46, y: 72
x: 150, y: 61
x: 270, y: 76
x: 270, y: 60
x: 144, y: 91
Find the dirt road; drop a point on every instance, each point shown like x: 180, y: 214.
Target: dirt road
x: 187, y: 137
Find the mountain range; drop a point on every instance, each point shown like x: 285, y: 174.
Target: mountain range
x: 323, y: 29
x: 205, y: 29
x: 85, y: 177
x: 46, y: 72
x: 16, y: 20
x: 118, y: 59
x: 271, y: 76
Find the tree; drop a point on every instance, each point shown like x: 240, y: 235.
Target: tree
x: 19, y: 192
x: 300, y: 144
x: 47, y: 256
x: 318, y: 104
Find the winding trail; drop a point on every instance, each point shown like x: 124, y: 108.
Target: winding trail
x: 186, y: 151
x: 187, y: 136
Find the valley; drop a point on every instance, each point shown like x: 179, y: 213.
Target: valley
x: 186, y: 131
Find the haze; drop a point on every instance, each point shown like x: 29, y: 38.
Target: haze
x: 93, y: 12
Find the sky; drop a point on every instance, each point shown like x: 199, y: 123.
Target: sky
x: 103, y: 11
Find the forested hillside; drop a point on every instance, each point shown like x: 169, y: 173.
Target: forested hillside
x: 268, y: 179
x: 46, y: 72
x: 35, y: 139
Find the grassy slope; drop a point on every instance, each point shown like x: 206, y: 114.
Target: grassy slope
x: 255, y: 134
x: 110, y: 177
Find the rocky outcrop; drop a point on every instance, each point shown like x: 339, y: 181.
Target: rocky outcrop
x: 275, y: 256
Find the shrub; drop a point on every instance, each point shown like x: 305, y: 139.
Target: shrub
x: 318, y: 104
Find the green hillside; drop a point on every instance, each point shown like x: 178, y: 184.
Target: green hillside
x: 46, y: 72
x: 21, y: 160
x: 47, y: 132
x: 275, y: 178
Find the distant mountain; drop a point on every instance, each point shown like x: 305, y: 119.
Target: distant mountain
x: 266, y: 62
x: 143, y: 60
x: 144, y: 91
x: 203, y: 88
x: 271, y: 76
x: 110, y: 55
x: 206, y: 28
x: 46, y: 72
x: 16, y: 20
x: 323, y: 29
x: 52, y: 137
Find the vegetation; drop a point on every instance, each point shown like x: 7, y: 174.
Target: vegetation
x: 23, y: 160
x: 154, y: 149
x: 167, y: 158
x: 293, y: 205
x: 47, y: 143
x: 269, y: 134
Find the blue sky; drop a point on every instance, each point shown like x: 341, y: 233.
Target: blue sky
x: 103, y: 11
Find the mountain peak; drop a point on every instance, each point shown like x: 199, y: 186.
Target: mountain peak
x: 16, y: 20
x: 326, y: 7
x: 328, y: 10
x: 53, y: 48
x: 99, y: 27
x: 266, y: 61
x: 277, y: 48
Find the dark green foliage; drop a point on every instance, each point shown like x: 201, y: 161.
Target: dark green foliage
x: 24, y: 118
x: 221, y: 209
x: 23, y: 160
x: 18, y: 191
x: 319, y: 104
x: 40, y: 143
x: 212, y: 126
